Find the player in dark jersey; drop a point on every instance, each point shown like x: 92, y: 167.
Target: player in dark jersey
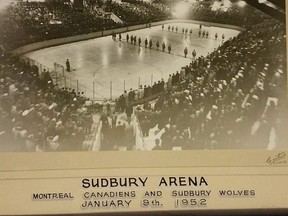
x: 163, y: 47
x: 157, y: 45
x: 169, y: 48
x: 131, y: 39
x: 185, y: 52
x: 194, y: 55
x: 127, y: 38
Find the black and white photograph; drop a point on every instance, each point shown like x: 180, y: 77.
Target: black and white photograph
x: 142, y: 75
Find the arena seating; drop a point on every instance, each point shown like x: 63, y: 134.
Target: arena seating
x: 224, y: 95
x: 35, y: 114
x: 28, y: 22
x: 140, y: 12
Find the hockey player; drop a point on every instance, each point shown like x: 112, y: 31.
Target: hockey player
x: 127, y: 38
x: 185, y: 51
x: 169, y: 48
x: 157, y: 45
x: 68, y: 65
x: 113, y: 35
x: 163, y: 47
x: 216, y: 36
x: 139, y: 41
x: 146, y: 42
x: 135, y: 40
x: 150, y: 43
x: 194, y: 55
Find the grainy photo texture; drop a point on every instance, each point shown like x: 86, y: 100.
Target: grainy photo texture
x: 112, y: 75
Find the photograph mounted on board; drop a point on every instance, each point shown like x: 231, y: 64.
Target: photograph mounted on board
x: 142, y: 75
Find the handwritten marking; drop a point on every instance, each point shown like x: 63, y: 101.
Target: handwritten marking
x: 280, y: 158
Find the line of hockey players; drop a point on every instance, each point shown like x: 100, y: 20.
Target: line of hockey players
x: 201, y: 32
x: 149, y: 43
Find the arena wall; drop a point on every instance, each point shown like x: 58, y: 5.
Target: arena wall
x: 60, y: 41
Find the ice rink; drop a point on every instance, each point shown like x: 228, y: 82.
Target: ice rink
x: 114, y: 65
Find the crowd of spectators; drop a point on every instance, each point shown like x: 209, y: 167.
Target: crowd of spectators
x: 221, y: 101
x: 27, y: 22
x: 36, y: 115
x: 234, y: 15
x: 139, y: 12
x: 218, y: 101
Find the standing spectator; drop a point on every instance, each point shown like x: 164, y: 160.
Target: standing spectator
x: 131, y: 95
x: 157, y: 145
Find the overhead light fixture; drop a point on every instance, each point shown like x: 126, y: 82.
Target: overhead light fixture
x: 262, y: 1
x: 241, y: 3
